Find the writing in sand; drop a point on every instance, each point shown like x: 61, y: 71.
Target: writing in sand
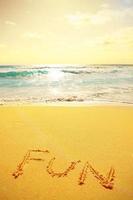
x: 105, y: 181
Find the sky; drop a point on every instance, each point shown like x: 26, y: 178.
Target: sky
x: 66, y: 31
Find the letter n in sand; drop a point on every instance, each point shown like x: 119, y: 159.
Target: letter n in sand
x: 107, y: 181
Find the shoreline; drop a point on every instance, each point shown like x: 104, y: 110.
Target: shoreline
x: 66, y: 104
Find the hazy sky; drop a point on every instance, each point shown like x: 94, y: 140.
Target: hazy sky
x: 66, y: 31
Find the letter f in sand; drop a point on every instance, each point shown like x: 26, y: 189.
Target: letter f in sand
x: 20, y: 168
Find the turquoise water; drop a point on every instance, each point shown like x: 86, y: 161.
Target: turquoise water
x: 66, y: 83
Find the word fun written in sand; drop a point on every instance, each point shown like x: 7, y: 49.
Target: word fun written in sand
x: 105, y: 181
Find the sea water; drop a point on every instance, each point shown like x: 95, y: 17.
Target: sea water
x: 66, y: 83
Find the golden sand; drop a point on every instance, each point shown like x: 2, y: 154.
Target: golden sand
x: 61, y: 153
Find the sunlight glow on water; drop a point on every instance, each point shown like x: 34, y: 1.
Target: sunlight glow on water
x: 55, y: 75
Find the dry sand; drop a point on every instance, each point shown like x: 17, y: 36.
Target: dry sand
x: 100, y: 136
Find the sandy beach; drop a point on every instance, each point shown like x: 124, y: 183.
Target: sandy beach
x: 62, y: 152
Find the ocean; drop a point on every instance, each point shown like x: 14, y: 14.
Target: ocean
x: 89, y: 84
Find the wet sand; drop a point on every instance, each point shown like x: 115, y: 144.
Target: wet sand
x: 61, y: 153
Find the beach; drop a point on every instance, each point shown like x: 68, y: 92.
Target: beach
x: 66, y: 100
x: 60, y: 152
